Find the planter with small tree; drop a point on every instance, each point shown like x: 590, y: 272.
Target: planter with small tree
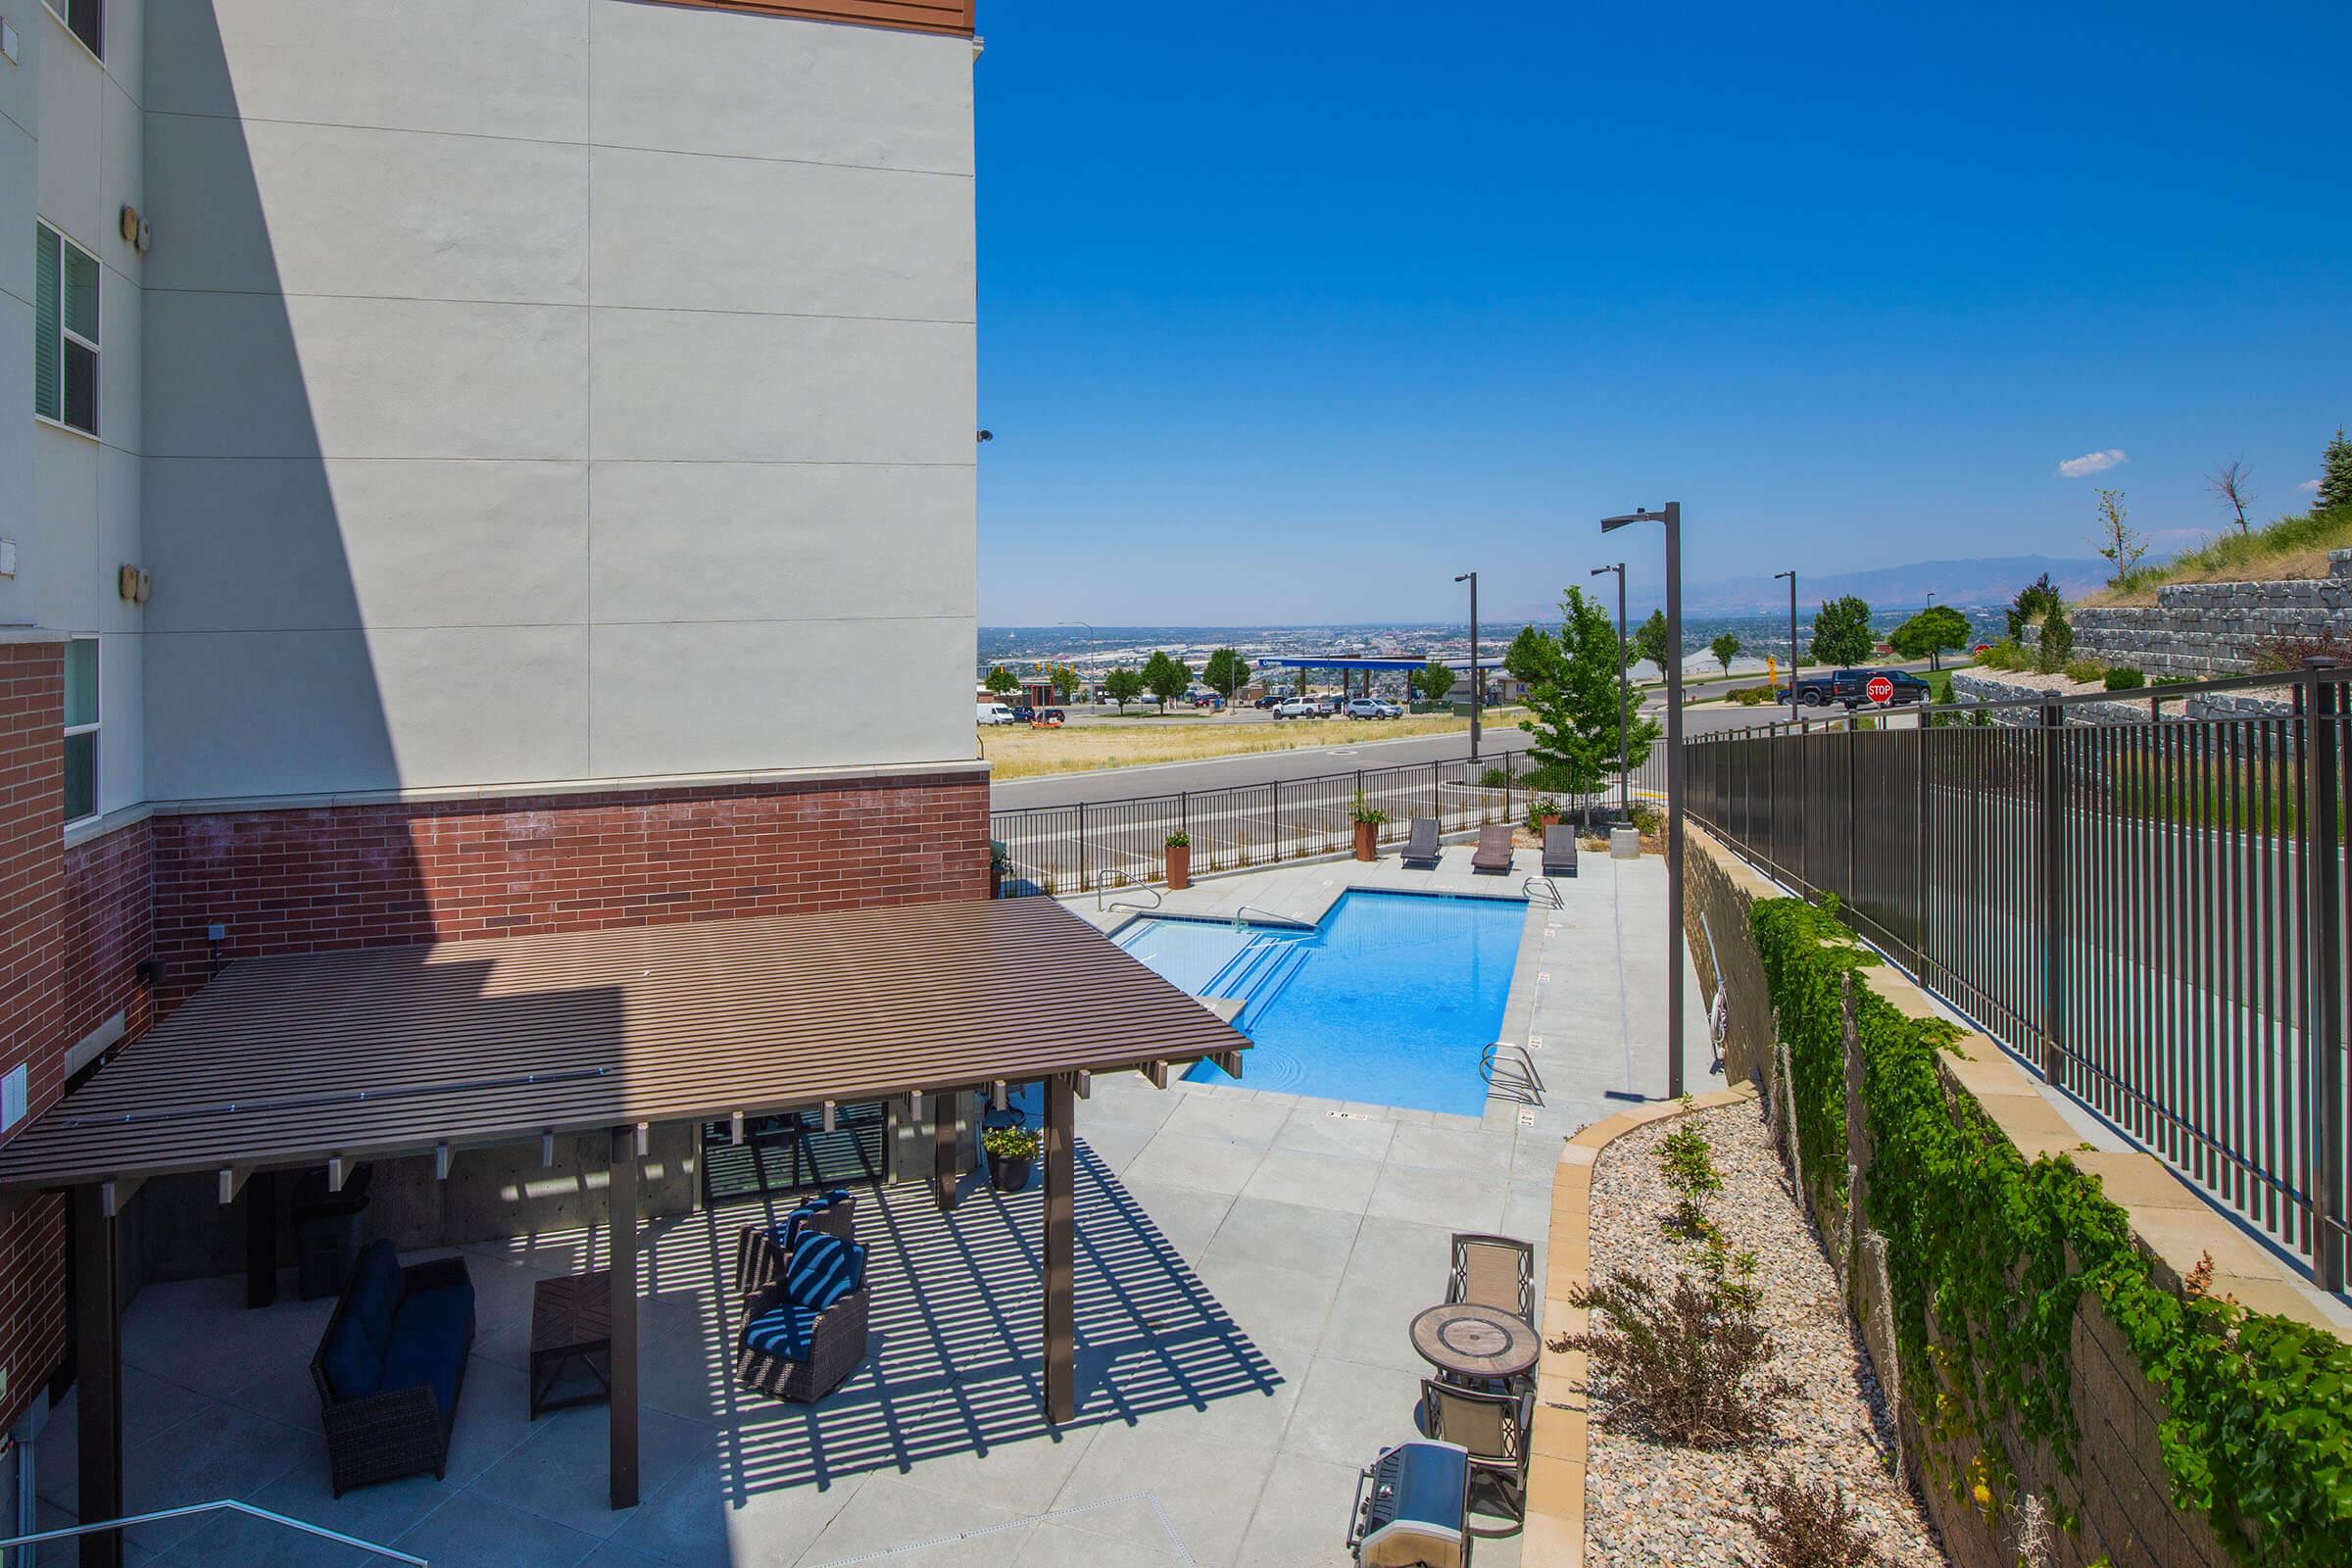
x: 1368, y: 818
x: 1011, y: 1156
x: 1541, y: 813
x: 999, y: 862
x: 1180, y: 861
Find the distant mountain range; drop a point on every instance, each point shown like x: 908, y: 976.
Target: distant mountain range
x: 1990, y: 580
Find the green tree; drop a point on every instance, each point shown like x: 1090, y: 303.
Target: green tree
x: 1122, y: 686
x: 2033, y: 602
x: 1433, y: 680
x: 1725, y: 648
x: 2057, y: 643
x: 1841, y: 632
x: 1575, y: 699
x: 1167, y: 677
x: 1929, y: 633
x: 1648, y: 640
x: 1226, y: 673
x: 2335, y: 475
x: 2122, y: 544
x: 1066, y: 680
x: 1001, y: 683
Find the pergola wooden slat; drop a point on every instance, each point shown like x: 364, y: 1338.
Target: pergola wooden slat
x: 336, y: 1057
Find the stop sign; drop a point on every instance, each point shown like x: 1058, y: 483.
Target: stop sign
x: 1881, y: 690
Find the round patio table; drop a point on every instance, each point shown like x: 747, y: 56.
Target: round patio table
x: 1474, y: 1343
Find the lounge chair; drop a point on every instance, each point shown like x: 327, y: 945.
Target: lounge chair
x: 390, y: 1366
x: 763, y: 1251
x: 1493, y: 848
x: 1497, y: 1271
x: 807, y: 1332
x: 1493, y: 1428
x: 1560, y: 850
x: 1421, y: 849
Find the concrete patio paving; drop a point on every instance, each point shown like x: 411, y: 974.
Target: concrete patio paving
x: 1248, y: 1265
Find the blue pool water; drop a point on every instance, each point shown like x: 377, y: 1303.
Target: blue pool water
x: 1389, y: 1000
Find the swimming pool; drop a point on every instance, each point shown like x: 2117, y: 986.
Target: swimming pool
x: 1391, y: 1000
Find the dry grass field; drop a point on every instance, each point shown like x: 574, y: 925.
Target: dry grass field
x: 1026, y: 753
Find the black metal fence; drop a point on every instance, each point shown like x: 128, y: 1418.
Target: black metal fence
x: 1083, y: 848
x: 2153, y: 911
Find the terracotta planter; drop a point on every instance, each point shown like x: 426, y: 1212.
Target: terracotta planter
x: 1547, y: 819
x: 996, y: 880
x: 1367, y: 841
x: 1180, y: 868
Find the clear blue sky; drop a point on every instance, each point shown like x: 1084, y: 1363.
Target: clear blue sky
x: 1289, y: 311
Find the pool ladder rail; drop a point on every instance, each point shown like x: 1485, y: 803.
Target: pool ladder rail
x: 1511, y: 1072
x: 1111, y: 877
x: 1542, y: 890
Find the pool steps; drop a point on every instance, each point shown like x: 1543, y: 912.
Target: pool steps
x: 1257, y: 974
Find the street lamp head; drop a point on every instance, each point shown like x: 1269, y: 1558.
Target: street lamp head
x: 1465, y: 576
x: 1790, y: 575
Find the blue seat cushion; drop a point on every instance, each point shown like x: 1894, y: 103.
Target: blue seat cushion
x: 788, y: 1233
x: 823, y: 1269
x: 353, y: 1366
x: 375, y: 1292
x: 424, y: 1356
x: 441, y: 1315
x: 783, y: 1332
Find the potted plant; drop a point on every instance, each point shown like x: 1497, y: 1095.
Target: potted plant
x: 999, y: 862
x: 1368, y: 818
x: 1542, y: 813
x: 1011, y: 1152
x: 1180, y: 861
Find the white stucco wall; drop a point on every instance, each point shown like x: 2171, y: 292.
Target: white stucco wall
x: 550, y: 390
x: 72, y: 154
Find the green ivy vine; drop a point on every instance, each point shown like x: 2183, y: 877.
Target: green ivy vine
x: 1996, y: 1253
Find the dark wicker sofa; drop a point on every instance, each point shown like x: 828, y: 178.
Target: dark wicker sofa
x: 390, y: 1365
x: 800, y: 1338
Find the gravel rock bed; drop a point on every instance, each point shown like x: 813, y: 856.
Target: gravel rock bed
x: 1648, y: 1504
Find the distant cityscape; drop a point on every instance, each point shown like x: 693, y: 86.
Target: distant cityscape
x: 1094, y: 651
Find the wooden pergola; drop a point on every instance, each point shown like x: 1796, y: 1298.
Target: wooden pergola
x: 327, y: 1060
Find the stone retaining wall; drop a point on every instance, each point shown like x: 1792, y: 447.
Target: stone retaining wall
x: 2216, y: 628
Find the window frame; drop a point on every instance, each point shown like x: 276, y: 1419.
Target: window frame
x: 63, y: 11
x: 66, y: 334
x: 91, y: 729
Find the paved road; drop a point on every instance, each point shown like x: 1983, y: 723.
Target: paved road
x: 1224, y: 772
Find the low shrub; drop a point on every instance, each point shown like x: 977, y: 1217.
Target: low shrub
x: 1495, y: 778
x: 1689, y: 1362
x: 2280, y: 654
x: 1804, y: 1524
x: 2056, y: 648
x: 1687, y: 1160
x: 2086, y: 671
x: 1751, y: 696
x: 1011, y: 1143
x: 2008, y: 654
x: 2121, y: 679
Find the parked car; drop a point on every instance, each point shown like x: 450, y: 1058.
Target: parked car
x: 994, y: 713
x: 1270, y: 699
x: 1023, y: 714
x: 1052, y: 717
x: 1329, y: 705
x: 1372, y: 708
x: 1298, y: 707
x: 1850, y: 688
x: 1208, y: 700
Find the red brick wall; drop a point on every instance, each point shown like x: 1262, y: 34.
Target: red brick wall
x: 108, y: 930
x: 32, y: 1002
x: 297, y: 881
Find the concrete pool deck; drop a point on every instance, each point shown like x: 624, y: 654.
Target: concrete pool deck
x: 1249, y: 1264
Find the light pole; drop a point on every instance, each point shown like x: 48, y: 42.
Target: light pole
x: 1672, y: 517
x: 1477, y: 697
x: 1625, y: 782
x: 1790, y: 575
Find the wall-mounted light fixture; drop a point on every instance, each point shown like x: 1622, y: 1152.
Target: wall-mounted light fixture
x: 132, y: 585
x: 135, y: 232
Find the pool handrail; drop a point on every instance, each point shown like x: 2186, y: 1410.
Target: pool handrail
x: 1288, y: 921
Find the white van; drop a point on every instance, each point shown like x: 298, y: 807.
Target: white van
x: 994, y: 713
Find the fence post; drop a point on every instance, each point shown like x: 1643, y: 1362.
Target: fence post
x: 1184, y: 823
x: 1919, y: 873
x: 2324, y: 842
x: 2053, y: 894
x: 1082, y: 878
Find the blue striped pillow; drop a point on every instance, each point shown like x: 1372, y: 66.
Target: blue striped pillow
x: 823, y: 1269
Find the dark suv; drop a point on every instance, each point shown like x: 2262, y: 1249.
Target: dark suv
x: 1850, y: 688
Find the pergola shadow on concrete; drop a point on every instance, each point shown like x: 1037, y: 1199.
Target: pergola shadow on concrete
x: 333, y: 1059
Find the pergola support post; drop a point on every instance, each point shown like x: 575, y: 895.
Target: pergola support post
x: 943, y: 1149
x: 1060, y: 1317
x: 97, y: 1374
x: 621, y: 1198
x: 261, y: 1238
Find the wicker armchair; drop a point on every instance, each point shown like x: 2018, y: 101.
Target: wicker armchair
x: 794, y: 1350
x: 390, y: 1366
x: 762, y: 1251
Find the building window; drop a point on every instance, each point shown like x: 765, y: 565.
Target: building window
x: 65, y: 348
x: 81, y: 729
x: 86, y: 20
